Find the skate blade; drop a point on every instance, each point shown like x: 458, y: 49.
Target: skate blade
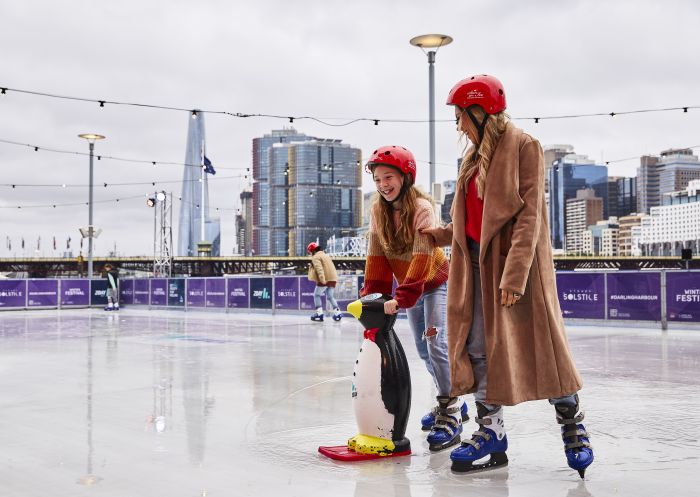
x: 439, y: 447
x: 496, y: 460
x: 342, y: 453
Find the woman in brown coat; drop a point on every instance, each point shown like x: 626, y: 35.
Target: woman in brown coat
x: 507, y: 341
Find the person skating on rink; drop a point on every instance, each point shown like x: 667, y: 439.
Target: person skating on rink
x: 507, y: 339
x: 322, y: 272
x: 112, y: 276
x: 398, y: 250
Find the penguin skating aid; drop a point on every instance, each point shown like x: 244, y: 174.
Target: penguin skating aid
x: 381, y: 388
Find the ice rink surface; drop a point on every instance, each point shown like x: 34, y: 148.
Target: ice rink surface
x: 167, y: 403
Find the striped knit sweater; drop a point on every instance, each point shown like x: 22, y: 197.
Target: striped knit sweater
x: 419, y: 270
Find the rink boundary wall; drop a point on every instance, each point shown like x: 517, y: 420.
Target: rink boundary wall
x: 660, y: 296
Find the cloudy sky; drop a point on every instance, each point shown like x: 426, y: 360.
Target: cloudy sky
x: 330, y: 59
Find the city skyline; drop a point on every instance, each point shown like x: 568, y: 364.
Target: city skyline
x: 330, y: 62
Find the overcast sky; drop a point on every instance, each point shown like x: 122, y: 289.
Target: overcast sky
x: 324, y: 58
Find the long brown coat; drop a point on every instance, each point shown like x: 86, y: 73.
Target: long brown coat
x: 527, y: 351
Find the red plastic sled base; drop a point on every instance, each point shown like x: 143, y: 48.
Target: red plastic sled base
x: 342, y: 453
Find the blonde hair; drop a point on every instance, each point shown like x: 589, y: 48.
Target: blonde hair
x: 478, y: 159
x: 397, y: 240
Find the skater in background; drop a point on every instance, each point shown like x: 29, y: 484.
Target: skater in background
x: 398, y: 250
x: 322, y: 272
x: 112, y: 276
x: 507, y: 339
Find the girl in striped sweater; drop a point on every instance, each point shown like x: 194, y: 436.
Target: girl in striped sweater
x: 398, y: 250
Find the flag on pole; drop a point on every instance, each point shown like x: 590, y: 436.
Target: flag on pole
x: 22, y: 242
x: 54, y: 243
x: 68, y: 244
x: 38, y: 243
x: 208, y: 168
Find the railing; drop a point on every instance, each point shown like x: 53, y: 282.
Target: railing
x: 628, y: 296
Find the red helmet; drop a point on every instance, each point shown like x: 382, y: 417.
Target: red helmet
x: 482, y: 90
x: 311, y: 247
x: 395, y: 156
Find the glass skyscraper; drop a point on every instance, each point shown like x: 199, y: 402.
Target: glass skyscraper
x: 191, y: 201
x: 565, y: 179
x: 310, y: 193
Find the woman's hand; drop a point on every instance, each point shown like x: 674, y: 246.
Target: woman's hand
x: 432, y: 232
x: 508, y: 298
x: 391, y: 307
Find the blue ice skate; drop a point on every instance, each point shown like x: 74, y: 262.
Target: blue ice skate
x: 318, y: 315
x: 578, y: 450
x: 448, y: 424
x: 491, y: 442
x: 428, y: 420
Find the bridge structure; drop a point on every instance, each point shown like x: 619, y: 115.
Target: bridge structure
x: 219, y: 266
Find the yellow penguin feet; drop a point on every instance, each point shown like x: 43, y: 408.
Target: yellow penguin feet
x: 365, y: 444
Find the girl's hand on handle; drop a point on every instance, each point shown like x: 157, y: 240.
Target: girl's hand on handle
x: 432, y: 232
x: 391, y: 307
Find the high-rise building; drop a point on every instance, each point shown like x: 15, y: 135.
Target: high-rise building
x: 584, y: 210
x: 244, y: 224
x: 675, y: 225
x: 449, y: 187
x: 602, y: 238
x: 308, y: 189
x: 622, y: 196
x: 551, y: 154
x: 566, y: 177
x: 194, y: 199
x: 262, y: 203
x: 626, y: 225
x: 669, y: 173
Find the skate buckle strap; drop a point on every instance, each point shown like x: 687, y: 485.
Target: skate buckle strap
x: 474, y: 442
x: 571, y: 421
x: 447, y: 424
x: 576, y: 445
x: 576, y: 432
x: 483, y: 421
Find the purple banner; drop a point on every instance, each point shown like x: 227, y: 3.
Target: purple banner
x: 13, y: 293
x: 126, y: 291
x: 634, y: 296
x: 238, y: 292
x: 287, y: 292
x: 195, y: 292
x: 42, y: 293
x: 683, y: 296
x: 261, y: 293
x: 216, y: 292
x: 159, y: 291
x: 75, y: 292
x: 306, y: 291
x: 581, y: 295
x: 141, y: 292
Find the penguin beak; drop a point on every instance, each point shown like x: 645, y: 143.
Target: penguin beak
x: 355, y: 308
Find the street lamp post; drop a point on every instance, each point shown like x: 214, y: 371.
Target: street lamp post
x: 91, y: 138
x: 431, y: 41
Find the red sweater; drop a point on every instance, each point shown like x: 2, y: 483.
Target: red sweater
x: 419, y: 270
x: 475, y: 211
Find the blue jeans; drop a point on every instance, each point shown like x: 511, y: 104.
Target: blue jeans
x: 476, y: 342
x: 329, y: 291
x: 430, y: 313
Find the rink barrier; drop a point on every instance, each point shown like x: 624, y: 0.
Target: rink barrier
x: 648, y: 296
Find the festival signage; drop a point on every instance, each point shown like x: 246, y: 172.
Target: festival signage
x: 683, y: 296
x: 141, y: 292
x: 238, y: 290
x: 176, y: 292
x: 287, y: 292
x: 13, y: 293
x: 196, y: 292
x: 98, y: 292
x: 159, y: 291
x: 581, y: 295
x: 75, y: 292
x: 42, y: 293
x: 215, y: 292
x: 306, y: 294
x: 635, y: 296
x: 126, y: 291
x: 261, y: 293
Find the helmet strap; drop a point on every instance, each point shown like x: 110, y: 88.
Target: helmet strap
x: 480, y: 126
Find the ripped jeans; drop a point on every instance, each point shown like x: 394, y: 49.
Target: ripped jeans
x: 430, y: 313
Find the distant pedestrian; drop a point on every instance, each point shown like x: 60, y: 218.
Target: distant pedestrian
x: 112, y: 276
x: 322, y: 271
